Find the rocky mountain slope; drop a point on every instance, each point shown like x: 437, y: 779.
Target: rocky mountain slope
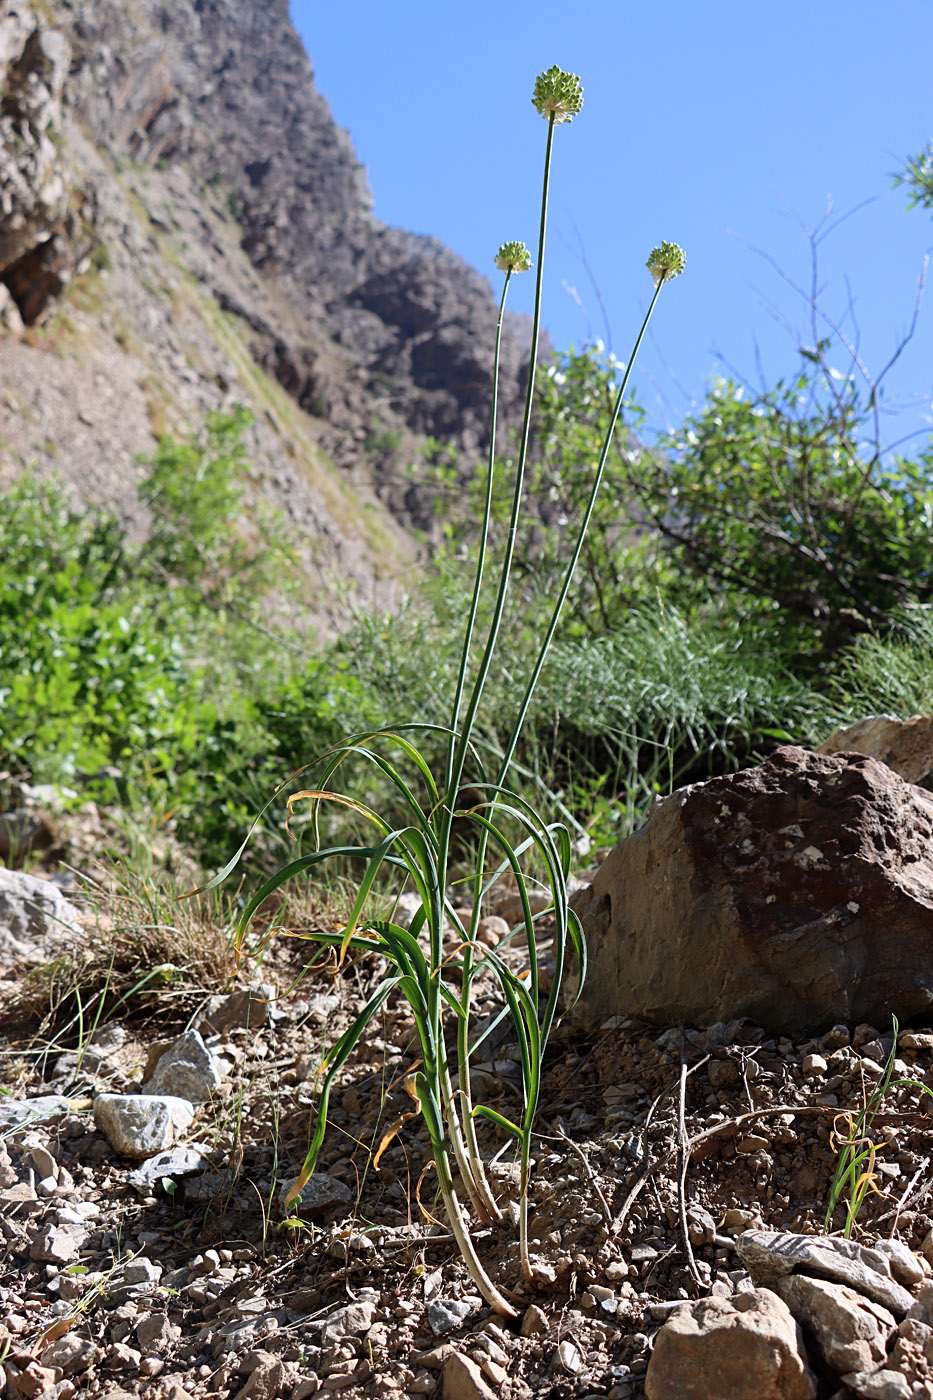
x: 183, y: 227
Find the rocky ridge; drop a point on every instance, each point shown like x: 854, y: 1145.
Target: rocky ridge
x: 182, y: 227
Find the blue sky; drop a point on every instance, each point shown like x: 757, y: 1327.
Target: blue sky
x: 722, y: 126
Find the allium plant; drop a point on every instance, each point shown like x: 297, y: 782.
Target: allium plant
x: 416, y: 848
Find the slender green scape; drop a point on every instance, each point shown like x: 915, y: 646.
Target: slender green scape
x: 418, y: 848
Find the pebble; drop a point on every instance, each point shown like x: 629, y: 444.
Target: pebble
x: 156, y: 1332
x: 350, y: 1321
x: 463, y: 1380
x: 246, y: 1009
x: 568, y: 1357
x: 447, y: 1314
x: 175, y: 1164
x: 17, y: 1113
x: 905, y: 1266
x: 140, y: 1125
x: 55, y: 1245
x: 185, y: 1071
x: 534, y: 1321
x: 319, y: 1196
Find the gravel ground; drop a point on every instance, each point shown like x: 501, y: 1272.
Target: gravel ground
x: 655, y: 1149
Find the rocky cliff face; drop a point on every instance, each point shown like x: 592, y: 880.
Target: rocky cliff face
x: 182, y: 225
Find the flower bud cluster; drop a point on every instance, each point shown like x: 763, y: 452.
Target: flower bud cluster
x: 513, y: 257
x: 666, y: 262
x: 558, y: 95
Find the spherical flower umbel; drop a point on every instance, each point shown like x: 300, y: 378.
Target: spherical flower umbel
x: 558, y: 95
x: 513, y: 257
x: 666, y: 262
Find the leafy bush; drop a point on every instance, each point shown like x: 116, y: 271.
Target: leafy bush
x: 86, y: 677
x: 140, y: 658
x: 623, y: 564
x: 783, y: 500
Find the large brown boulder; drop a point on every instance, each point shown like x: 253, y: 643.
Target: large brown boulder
x: 798, y: 893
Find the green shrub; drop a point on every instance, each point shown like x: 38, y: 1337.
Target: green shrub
x: 784, y: 501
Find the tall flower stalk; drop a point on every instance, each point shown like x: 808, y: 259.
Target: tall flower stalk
x: 417, y: 847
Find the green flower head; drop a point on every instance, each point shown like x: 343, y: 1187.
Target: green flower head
x: 558, y: 95
x: 513, y: 257
x: 666, y: 262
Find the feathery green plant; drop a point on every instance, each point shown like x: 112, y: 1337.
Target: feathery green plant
x: 509, y: 836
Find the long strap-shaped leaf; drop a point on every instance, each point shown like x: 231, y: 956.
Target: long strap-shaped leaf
x: 338, y: 1058
x: 298, y: 867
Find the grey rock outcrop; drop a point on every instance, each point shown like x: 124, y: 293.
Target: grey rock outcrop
x: 241, y: 250
x: 46, y: 222
x: 36, y: 920
x: 798, y: 893
x: 771, y: 1256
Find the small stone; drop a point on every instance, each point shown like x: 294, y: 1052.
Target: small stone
x: 701, y: 1227
x: 247, y: 1009
x: 123, y: 1357
x: 534, y: 1321
x: 496, y: 1372
x: 175, y: 1164
x: 350, y: 1321
x: 447, y: 1314
x: 746, y: 1146
x: 319, y: 1196
x: 435, y: 1359
x: 140, y: 1125
x: 492, y: 930
x: 853, y: 1332
x: 186, y: 1071
x: 36, y: 1381
x: 142, y: 1270
x: 156, y: 1333
x: 905, y: 1266
x: 737, y: 1220
x: 814, y: 1066
x: 879, y: 1385
x: 55, y: 1245
x: 463, y: 1380
x: 747, y: 1348
x: 915, y: 1040
x: 722, y: 1074
x: 265, y: 1381
x: 36, y: 918
x: 70, y: 1354
x: 568, y: 1358
x: 44, y: 1163
x: 18, y: 1113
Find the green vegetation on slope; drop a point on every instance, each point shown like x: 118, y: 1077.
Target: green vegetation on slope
x: 772, y: 586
